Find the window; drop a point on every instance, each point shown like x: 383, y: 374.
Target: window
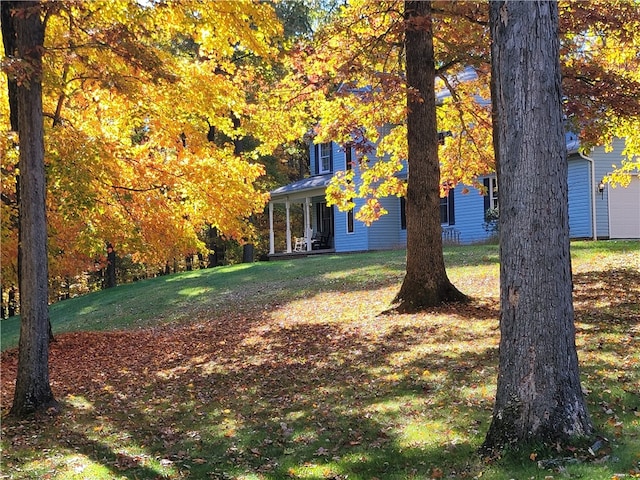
x: 443, y: 135
x: 350, y: 223
x: 324, y: 218
x: 444, y: 210
x: 324, y: 158
x: 491, y: 193
x: 447, y: 211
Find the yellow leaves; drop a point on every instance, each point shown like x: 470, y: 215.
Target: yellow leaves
x: 131, y: 90
x: 353, y: 84
x: 341, y: 191
x: 370, y: 211
x: 376, y: 182
x: 394, y: 144
x: 244, y: 25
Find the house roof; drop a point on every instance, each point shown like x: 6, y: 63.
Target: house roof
x: 306, y: 186
x: 573, y: 142
x: 466, y: 75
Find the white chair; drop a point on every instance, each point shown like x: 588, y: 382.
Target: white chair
x: 300, y: 244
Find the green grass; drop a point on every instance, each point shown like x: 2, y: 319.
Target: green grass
x: 289, y: 369
x: 178, y: 297
x: 175, y: 297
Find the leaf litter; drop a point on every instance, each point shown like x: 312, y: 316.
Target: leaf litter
x: 307, y: 381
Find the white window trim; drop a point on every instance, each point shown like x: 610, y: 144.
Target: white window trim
x: 493, y: 192
x: 322, y: 158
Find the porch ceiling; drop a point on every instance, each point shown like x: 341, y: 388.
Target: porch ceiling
x: 307, y: 187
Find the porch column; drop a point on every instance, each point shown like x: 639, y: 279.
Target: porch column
x: 272, y: 249
x: 308, y: 231
x: 287, y: 205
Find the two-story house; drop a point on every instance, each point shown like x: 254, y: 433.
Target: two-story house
x: 596, y: 210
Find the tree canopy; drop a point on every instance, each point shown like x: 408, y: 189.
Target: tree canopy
x: 350, y: 81
x: 134, y: 93
x: 144, y: 102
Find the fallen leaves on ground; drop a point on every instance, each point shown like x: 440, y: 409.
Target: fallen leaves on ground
x: 323, y: 358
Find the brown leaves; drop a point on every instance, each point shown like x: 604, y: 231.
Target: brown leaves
x: 318, y: 379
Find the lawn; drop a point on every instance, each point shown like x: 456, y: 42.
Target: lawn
x: 290, y: 370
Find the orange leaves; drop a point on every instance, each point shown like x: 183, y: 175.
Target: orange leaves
x: 601, y: 73
x: 437, y: 473
x: 131, y: 90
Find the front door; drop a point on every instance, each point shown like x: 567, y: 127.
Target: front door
x: 324, y: 220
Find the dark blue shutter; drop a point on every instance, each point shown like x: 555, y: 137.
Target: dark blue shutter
x: 452, y: 210
x: 331, y: 157
x: 487, y: 195
x: 316, y: 161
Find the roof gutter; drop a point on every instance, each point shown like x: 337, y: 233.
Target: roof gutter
x: 592, y: 195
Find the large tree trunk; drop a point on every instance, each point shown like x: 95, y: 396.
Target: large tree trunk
x: 539, y: 398
x: 33, y: 390
x: 426, y: 283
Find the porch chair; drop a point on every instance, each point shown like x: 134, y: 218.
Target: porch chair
x: 319, y: 241
x: 300, y: 244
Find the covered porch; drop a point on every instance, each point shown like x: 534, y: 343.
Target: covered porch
x: 309, y: 240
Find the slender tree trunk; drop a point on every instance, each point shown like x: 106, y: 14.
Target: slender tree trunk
x: 426, y: 283
x: 33, y: 390
x: 539, y: 397
x: 110, y: 274
x: 247, y: 253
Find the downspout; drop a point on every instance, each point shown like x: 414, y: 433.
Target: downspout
x: 592, y: 188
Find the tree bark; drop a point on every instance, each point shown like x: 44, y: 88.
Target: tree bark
x: 247, y: 253
x: 33, y: 391
x: 9, y: 41
x: 110, y: 274
x: 539, y: 397
x: 426, y: 282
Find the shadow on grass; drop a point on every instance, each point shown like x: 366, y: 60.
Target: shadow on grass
x: 245, y: 396
x: 180, y: 296
x: 240, y: 395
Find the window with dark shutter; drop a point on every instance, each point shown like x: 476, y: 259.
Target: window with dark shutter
x: 350, y: 221
x: 444, y: 210
x: 491, y: 193
x: 325, y: 158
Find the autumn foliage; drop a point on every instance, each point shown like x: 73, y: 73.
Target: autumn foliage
x: 350, y: 82
x: 146, y: 103
x: 132, y: 94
